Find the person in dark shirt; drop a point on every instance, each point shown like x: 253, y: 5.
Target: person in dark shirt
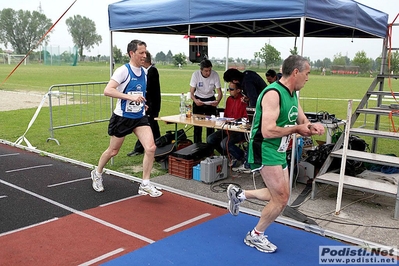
x: 250, y: 82
x: 272, y: 76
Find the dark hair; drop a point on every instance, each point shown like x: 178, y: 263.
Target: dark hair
x: 132, y: 46
x: 147, y: 57
x: 233, y: 74
x: 205, y: 64
x: 271, y: 73
x: 292, y: 62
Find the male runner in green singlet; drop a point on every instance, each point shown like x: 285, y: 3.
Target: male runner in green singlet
x: 278, y: 115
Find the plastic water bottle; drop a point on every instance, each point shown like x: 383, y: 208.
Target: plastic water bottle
x: 182, y: 105
x: 188, y: 107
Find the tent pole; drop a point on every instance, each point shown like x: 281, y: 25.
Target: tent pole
x: 227, y: 53
x: 111, y: 70
x: 302, y: 33
x: 294, y: 139
x: 225, y: 68
x: 111, y: 57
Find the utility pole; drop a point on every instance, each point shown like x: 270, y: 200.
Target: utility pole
x: 39, y: 9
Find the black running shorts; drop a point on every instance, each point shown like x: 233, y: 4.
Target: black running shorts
x: 121, y: 126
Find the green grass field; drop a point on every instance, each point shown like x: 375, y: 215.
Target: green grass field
x: 86, y: 143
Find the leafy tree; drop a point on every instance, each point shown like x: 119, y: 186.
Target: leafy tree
x: 117, y: 54
x: 246, y: 61
x: 362, y: 61
x: 257, y: 59
x: 66, y: 57
x: 160, y: 57
x: 83, y: 32
x: 179, y: 59
x: 169, y: 56
x: 294, y: 51
x: 269, y: 55
x: 318, y: 63
x: 22, y: 29
x: 339, y: 60
x: 125, y: 59
x: 327, y: 62
x: 395, y: 62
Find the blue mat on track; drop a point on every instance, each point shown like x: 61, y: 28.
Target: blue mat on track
x: 220, y: 242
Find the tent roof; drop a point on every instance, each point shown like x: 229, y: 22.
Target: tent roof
x: 248, y: 18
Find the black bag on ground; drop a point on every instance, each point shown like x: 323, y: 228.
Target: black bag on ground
x: 318, y: 156
x: 169, y: 137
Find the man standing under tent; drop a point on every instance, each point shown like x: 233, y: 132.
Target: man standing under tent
x: 251, y: 83
x: 128, y: 85
x: 278, y: 116
x: 153, y: 97
x: 203, y: 84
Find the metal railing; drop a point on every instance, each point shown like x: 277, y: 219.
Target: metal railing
x: 77, y: 104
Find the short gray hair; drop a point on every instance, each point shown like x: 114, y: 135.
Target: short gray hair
x: 294, y: 62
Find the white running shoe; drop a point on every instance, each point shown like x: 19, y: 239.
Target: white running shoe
x: 97, y: 182
x: 260, y: 242
x: 149, y: 190
x: 234, y: 202
x: 242, y: 169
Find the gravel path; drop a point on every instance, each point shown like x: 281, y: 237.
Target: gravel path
x: 14, y: 100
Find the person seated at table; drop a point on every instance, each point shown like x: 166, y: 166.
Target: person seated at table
x: 224, y: 141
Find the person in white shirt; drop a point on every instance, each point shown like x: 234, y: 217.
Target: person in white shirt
x: 203, y: 84
x: 128, y: 85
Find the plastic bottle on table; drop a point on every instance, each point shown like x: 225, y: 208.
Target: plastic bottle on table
x: 182, y: 105
x: 188, y: 107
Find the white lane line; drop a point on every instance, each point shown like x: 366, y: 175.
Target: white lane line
x: 68, y: 182
x: 10, y: 154
x: 102, y: 257
x: 116, y: 201
x: 29, y: 168
x: 80, y: 213
x: 202, y: 216
x: 27, y: 227
x: 3, y: 196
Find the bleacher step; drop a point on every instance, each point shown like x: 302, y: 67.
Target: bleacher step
x: 368, y: 157
x: 358, y: 183
x: 375, y: 133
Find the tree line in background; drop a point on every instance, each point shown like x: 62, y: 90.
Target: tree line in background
x: 270, y: 57
x: 21, y: 30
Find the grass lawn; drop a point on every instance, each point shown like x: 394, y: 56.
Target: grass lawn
x: 87, y: 142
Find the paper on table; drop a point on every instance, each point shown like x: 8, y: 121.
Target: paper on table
x: 219, y: 118
x: 210, y: 102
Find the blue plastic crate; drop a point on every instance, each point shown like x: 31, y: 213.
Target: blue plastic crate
x: 197, y: 172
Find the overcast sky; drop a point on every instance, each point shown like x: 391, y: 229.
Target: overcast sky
x: 97, y: 10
